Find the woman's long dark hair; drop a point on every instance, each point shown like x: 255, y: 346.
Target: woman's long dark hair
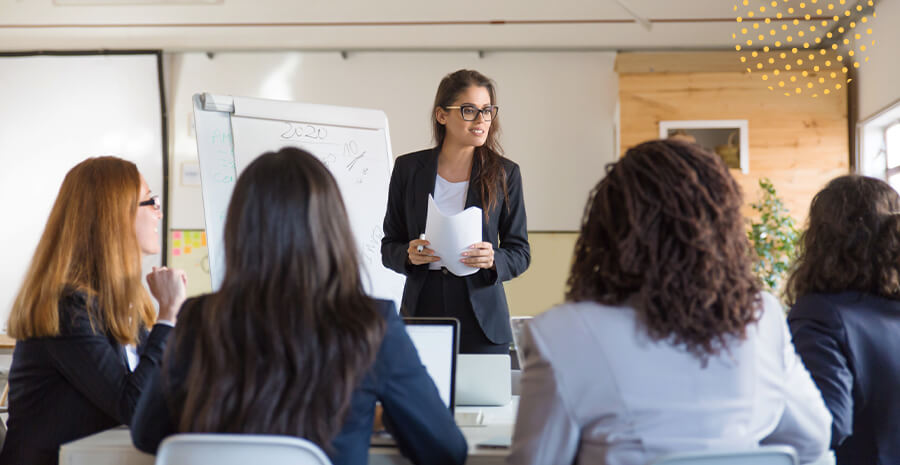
x: 852, y: 241
x: 664, y: 232
x: 492, y: 177
x: 282, y: 345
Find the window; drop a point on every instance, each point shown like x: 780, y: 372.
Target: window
x: 892, y: 150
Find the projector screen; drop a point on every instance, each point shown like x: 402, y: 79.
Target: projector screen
x: 55, y: 111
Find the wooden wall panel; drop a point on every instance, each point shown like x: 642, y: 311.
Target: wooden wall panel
x: 798, y: 142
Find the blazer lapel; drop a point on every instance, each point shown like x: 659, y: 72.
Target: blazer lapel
x: 425, y: 179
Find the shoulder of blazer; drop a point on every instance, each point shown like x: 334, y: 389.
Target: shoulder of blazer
x: 385, y: 308
x: 413, y: 159
x: 74, y: 317
x: 508, y: 164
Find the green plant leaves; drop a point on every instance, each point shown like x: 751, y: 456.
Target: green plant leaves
x: 773, y: 236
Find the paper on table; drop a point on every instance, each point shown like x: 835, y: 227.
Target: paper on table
x: 450, y: 236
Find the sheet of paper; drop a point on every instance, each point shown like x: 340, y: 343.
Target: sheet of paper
x: 450, y: 236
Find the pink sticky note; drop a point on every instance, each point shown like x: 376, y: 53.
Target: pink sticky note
x: 176, y: 234
x: 176, y: 252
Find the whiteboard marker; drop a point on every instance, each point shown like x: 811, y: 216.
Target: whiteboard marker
x: 419, y: 248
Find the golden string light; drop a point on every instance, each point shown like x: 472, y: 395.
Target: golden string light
x: 803, y: 47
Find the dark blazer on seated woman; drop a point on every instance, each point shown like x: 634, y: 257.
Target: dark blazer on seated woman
x: 850, y: 343
x: 844, y: 290
x: 412, y: 181
x: 73, y: 385
x: 423, y: 427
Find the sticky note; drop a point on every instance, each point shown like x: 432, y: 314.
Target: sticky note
x: 187, y: 250
x: 176, y: 234
x: 176, y: 252
x: 176, y: 243
x: 204, y: 237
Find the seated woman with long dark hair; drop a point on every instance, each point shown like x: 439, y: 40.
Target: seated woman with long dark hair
x: 290, y: 344
x: 79, y: 308
x: 845, y: 317
x: 666, y: 343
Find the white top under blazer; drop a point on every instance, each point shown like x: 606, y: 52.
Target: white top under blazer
x: 597, y: 390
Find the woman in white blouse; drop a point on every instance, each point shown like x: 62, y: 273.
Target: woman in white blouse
x: 666, y: 343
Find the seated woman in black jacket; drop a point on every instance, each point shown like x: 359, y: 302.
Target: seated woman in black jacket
x: 845, y: 317
x: 290, y: 344
x: 81, y: 305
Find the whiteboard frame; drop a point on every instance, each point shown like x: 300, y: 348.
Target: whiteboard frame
x: 208, y: 107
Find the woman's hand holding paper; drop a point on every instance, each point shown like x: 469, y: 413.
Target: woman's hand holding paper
x: 479, y: 255
x: 420, y: 258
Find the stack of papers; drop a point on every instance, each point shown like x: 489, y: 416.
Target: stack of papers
x: 450, y: 236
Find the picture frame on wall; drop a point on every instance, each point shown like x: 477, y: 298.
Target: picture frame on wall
x: 727, y: 138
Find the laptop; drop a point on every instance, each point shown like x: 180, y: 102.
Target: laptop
x: 483, y: 380
x: 436, y: 341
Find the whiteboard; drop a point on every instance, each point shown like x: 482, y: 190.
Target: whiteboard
x: 55, y: 111
x: 353, y: 143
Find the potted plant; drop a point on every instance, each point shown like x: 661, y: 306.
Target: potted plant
x: 774, y: 236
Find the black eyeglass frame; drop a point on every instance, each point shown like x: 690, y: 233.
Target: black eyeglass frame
x: 488, y: 113
x: 155, y: 201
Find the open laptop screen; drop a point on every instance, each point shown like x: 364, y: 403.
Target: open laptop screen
x: 435, y: 340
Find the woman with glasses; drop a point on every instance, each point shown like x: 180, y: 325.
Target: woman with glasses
x: 81, y: 305
x: 464, y: 169
x: 845, y: 314
x: 290, y: 344
x: 666, y: 343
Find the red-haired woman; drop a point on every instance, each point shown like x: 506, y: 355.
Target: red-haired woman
x: 81, y: 304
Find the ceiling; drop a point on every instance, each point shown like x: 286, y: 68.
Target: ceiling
x: 392, y: 24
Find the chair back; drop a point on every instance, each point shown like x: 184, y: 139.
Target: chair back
x: 764, y: 455
x: 238, y: 449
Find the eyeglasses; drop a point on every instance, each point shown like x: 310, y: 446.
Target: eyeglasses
x: 154, y: 202
x: 470, y: 112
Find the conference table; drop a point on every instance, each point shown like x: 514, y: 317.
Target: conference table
x: 114, y: 447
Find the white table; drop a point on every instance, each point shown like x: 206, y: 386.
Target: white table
x: 114, y: 447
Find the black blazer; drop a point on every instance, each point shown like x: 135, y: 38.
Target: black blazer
x: 73, y: 385
x: 850, y: 343
x: 423, y: 427
x: 411, y: 182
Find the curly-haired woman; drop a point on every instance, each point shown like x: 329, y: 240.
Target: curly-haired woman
x: 666, y: 343
x: 845, y: 318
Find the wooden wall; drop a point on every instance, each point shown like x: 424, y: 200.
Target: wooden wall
x: 798, y: 142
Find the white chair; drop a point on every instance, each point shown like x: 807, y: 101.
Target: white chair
x: 764, y: 455
x: 238, y: 449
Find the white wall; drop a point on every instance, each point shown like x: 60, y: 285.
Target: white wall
x: 879, y: 79
x: 879, y: 87
x: 557, y: 111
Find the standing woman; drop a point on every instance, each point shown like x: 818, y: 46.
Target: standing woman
x: 81, y: 304
x: 464, y: 169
